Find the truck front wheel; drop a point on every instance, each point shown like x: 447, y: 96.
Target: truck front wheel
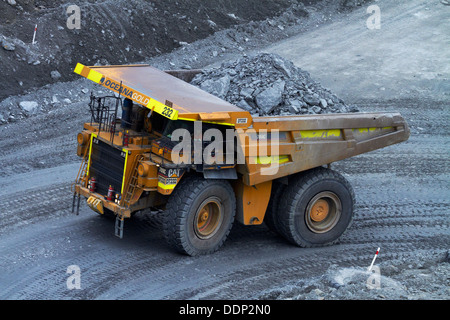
x: 317, y: 208
x: 199, y: 215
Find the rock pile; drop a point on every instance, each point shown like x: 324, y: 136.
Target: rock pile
x: 267, y: 84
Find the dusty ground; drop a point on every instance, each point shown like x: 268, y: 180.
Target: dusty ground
x: 402, y: 191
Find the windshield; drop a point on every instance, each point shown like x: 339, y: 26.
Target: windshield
x: 166, y: 127
x: 178, y: 124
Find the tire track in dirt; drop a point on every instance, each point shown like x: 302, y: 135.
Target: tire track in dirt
x: 31, y: 207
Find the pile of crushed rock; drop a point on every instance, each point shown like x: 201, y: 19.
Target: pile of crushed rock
x: 267, y: 84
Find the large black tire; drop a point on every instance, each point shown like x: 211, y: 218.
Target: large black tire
x: 272, y: 212
x: 317, y: 208
x: 199, y: 215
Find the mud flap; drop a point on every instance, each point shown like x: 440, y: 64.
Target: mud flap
x: 227, y: 174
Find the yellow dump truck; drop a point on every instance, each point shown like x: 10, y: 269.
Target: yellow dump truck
x: 159, y: 143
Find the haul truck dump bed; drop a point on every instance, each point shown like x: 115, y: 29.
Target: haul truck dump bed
x: 161, y: 143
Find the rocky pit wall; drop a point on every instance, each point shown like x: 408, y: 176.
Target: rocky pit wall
x: 111, y: 32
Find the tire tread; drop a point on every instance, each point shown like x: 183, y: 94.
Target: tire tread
x: 178, y: 207
x: 297, y: 186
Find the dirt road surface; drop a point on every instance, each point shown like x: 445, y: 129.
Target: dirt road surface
x: 402, y: 192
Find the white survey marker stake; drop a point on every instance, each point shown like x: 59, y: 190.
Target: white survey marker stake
x: 34, y: 34
x: 373, y: 261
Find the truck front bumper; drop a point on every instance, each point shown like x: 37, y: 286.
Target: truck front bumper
x: 98, y: 203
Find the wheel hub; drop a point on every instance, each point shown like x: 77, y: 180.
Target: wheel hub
x: 204, y: 216
x: 208, y: 218
x: 323, y: 212
x: 319, y: 210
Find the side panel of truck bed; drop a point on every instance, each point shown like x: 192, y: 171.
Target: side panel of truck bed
x: 310, y: 141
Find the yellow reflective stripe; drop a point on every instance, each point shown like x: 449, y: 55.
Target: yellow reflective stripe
x: 166, y: 186
x: 90, y: 151
x: 124, y: 170
x: 221, y: 123
x: 95, y: 76
x: 162, y: 109
x: 366, y: 130
x: 157, y: 106
x: 320, y: 133
x: 272, y: 159
x: 78, y: 68
x: 214, y: 122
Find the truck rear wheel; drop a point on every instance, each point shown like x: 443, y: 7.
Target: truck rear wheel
x: 317, y: 208
x: 199, y: 215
